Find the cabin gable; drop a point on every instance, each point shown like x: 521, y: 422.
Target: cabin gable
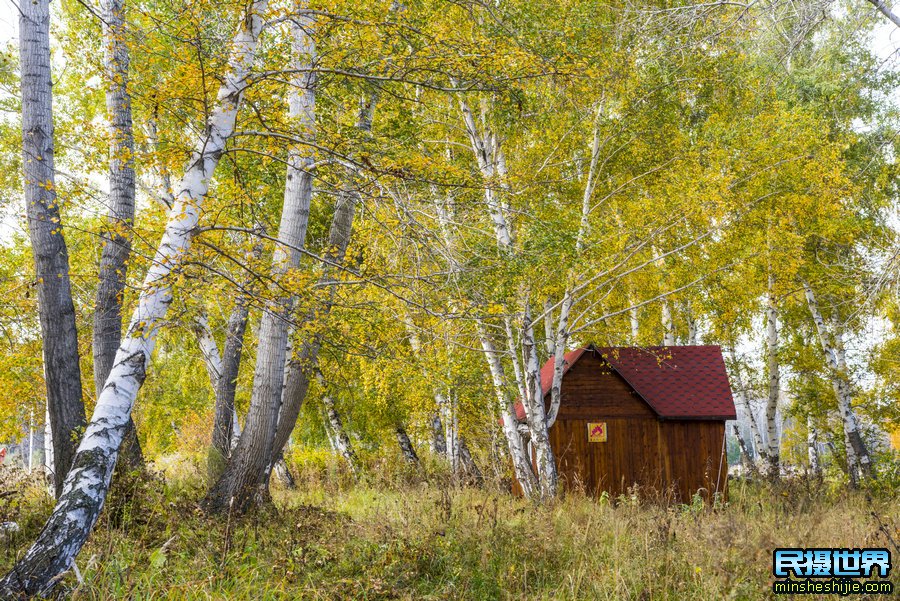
x: 591, y: 388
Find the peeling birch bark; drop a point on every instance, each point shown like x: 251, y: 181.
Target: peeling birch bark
x: 87, y: 483
x: 535, y: 412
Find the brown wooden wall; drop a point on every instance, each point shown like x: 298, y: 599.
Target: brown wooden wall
x: 675, y: 458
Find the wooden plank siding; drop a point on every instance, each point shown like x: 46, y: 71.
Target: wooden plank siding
x: 669, y: 460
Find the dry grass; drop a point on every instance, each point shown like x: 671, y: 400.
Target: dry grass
x: 332, y: 540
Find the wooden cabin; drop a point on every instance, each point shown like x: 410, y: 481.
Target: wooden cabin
x: 652, y: 417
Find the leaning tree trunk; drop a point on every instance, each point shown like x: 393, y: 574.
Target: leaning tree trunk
x: 438, y: 440
x: 406, y: 446
x: 245, y: 480
x: 341, y: 441
x: 120, y: 218
x: 535, y: 412
x: 773, y: 446
x: 522, y: 466
x: 301, y: 369
x: 746, y: 461
x: 848, y: 415
x: 87, y: 483
x: 859, y: 462
x: 740, y: 394
x: 51, y: 259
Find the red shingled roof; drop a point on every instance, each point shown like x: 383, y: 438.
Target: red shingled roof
x: 678, y: 382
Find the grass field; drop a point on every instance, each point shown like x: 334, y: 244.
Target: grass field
x: 428, y: 540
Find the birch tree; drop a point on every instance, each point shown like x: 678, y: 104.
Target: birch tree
x: 45, y: 229
x: 773, y: 367
x: 120, y: 217
x: 859, y: 461
x: 87, y: 483
x: 297, y: 378
x: 491, y: 163
x: 339, y: 436
x: 245, y: 480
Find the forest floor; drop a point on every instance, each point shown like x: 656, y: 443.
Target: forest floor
x: 330, y: 539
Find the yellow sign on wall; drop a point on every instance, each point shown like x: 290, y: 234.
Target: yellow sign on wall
x: 597, y: 432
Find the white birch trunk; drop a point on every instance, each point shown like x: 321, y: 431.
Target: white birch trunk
x: 549, y: 336
x: 635, y: 324
x: 406, y: 446
x: 535, y: 412
x: 511, y: 347
x: 489, y: 161
x: 49, y: 464
x: 300, y: 369
x: 522, y: 466
x: 492, y: 165
x: 859, y: 463
x: 438, y: 440
x: 87, y: 483
x: 773, y: 443
x: 559, y: 352
x: 668, y: 325
x: 209, y: 349
x: 561, y: 340
x: 692, y: 325
x: 340, y: 440
x: 246, y: 477
x: 740, y: 393
x: 746, y: 460
x: 812, y: 447
x: 31, y: 441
